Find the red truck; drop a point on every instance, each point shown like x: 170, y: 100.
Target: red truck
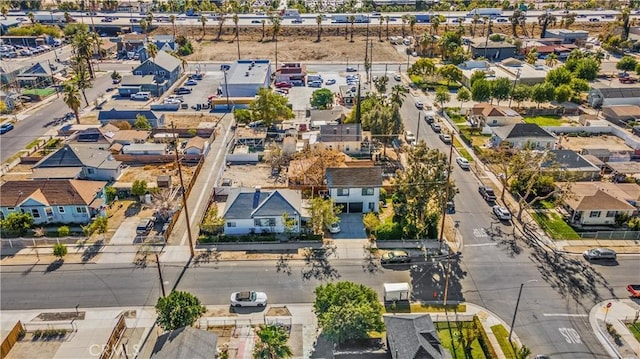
x: 634, y: 290
x: 628, y: 80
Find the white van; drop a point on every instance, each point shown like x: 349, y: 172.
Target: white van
x: 142, y: 95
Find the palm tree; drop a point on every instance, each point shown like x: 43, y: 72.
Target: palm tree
x: 183, y: 62
x: 264, y: 23
x: 435, y: 24
x: 221, y: 22
x: 31, y: 17
x: 83, y: 46
x: 387, y: 19
x: 352, y: 20
x: 4, y: 10
x: 485, y: 20
x: 544, y: 20
x: 203, y: 21
x: 152, y: 51
x: 475, y: 21
x: 551, y: 60
x: 235, y: 20
x: 625, y: 22
x: 144, y: 26
x: 72, y: 99
x: 319, y: 23
x: 404, y: 21
x: 81, y: 77
x: 67, y: 17
x: 172, y: 18
x: 398, y: 94
x: 412, y: 24
x: 149, y: 18
x: 272, y: 343
x: 275, y: 26
x: 381, y: 19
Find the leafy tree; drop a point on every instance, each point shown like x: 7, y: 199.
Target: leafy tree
x: 272, y: 343
x: 322, y: 98
x: 384, y: 121
x: 17, y: 222
x: 559, y: 76
x: 347, y: 310
x: 60, y: 250
x: 141, y: 123
x: 463, y: 96
x: 64, y: 231
x: 275, y: 157
x: 289, y: 223
x: 178, y: 309
x: 83, y: 45
x: 81, y: 77
x: 563, y: 93
x: 579, y: 85
x: 115, y: 75
x: 269, y: 107
x: 422, y: 68
x: 3, y: 106
x: 371, y: 222
x: 542, y: 92
x: 637, y: 69
x: 476, y: 75
x: 242, y: 115
x: 139, y: 188
x: 627, y: 63
x: 587, y: 69
x: 398, y: 94
x: 203, y: 22
x: 323, y: 214
x: 450, y: 45
x: 480, y: 90
x: 319, y: 159
x: 450, y: 72
x: 319, y: 23
x: 73, y: 28
x: 545, y: 20
x: 381, y: 84
x: 521, y: 93
x: 442, y: 96
x: 110, y: 193
x: 71, y: 98
x: 500, y: 89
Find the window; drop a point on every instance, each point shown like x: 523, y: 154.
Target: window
x: 594, y: 214
x: 49, y: 212
x: 90, y: 171
x: 611, y: 214
x: 231, y: 224
x: 139, y: 73
x: 372, y: 206
x: 343, y: 191
x: 367, y: 191
x: 11, y: 209
x: 60, y: 209
x: 264, y: 222
x: 35, y: 213
x: 81, y: 210
x: 161, y: 73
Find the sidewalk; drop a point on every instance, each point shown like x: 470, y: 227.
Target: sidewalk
x: 621, y: 311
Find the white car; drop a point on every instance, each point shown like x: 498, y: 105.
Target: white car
x: 502, y: 213
x: 462, y: 162
x: 334, y: 228
x: 410, y: 138
x: 397, y: 77
x: 248, y: 299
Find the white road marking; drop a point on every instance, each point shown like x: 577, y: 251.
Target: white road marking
x: 564, y: 315
x: 480, y: 233
x: 570, y: 335
x: 482, y: 244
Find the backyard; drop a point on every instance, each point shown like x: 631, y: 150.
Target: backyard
x: 449, y: 334
x: 545, y: 120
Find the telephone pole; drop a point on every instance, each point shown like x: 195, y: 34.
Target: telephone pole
x: 184, y: 194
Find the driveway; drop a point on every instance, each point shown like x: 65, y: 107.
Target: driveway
x: 351, y: 227
x: 121, y: 248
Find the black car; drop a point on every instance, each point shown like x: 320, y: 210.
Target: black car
x: 487, y: 193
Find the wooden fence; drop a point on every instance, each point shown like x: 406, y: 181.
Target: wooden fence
x: 11, y: 339
x: 114, y: 338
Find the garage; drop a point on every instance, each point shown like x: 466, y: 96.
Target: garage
x: 355, y: 207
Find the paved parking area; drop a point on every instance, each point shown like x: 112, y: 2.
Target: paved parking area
x: 351, y: 227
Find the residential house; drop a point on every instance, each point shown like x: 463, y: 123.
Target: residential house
x: 245, y: 77
x: 186, y: 343
x: 197, y: 146
x: 346, y: 138
x: 355, y: 189
x: 523, y: 135
x: 294, y: 73
x: 490, y: 50
x: 259, y: 211
x: 79, y: 161
x: 145, y: 149
x: 53, y: 201
x: 612, y: 96
x: 131, y: 84
x: 412, y: 337
x: 347, y: 94
x: 621, y: 114
x: 106, y: 116
x: 165, y: 43
x: 129, y: 137
x: 598, y: 203
x: 485, y: 114
x: 107, y: 50
x: 336, y: 114
x: 9, y: 72
x: 570, y: 165
x: 130, y: 45
x: 165, y: 68
x: 41, y: 75
x: 568, y: 36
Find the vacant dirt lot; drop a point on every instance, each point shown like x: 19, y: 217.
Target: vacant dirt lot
x: 150, y: 173
x: 611, y: 143
x: 252, y: 175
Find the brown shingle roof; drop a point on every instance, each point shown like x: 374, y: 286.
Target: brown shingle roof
x: 349, y: 177
x: 50, y: 192
x: 197, y: 142
x: 598, y: 201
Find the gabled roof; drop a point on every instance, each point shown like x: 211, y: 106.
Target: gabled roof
x: 521, y: 130
x: 354, y: 177
x: 196, y: 142
x: 78, y: 155
x: 601, y: 201
x: 164, y: 60
x: 568, y: 159
x: 126, y: 115
x: 341, y: 133
x: 38, y: 68
x: 245, y: 203
x: 410, y: 337
x: 50, y: 192
x: 186, y: 343
x: 619, y: 92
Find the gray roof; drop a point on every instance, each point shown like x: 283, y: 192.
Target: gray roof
x: 568, y: 159
x: 354, y: 177
x: 80, y: 156
x: 117, y: 115
x: 164, y: 61
x: 410, y: 337
x: 134, y: 80
x: 521, y: 130
x: 341, y: 133
x: 480, y: 43
x: 186, y: 343
x: 257, y: 71
x: 619, y: 92
x: 245, y: 203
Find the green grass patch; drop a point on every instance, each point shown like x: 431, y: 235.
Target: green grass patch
x: 544, y: 120
x: 502, y: 336
x: 554, y: 225
x: 404, y: 307
x: 634, y: 328
x: 461, y: 150
x: 545, y: 204
x: 33, y: 144
x: 39, y: 92
x: 452, y: 344
x: 455, y: 116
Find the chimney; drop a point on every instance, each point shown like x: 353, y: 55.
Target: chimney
x: 256, y: 197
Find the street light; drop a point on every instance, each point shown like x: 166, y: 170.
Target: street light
x: 513, y: 321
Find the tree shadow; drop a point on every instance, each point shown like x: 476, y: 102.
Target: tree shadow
x: 55, y: 265
x: 317, y: 264
x: 133, y: 209
x: 283, y: 264
x: 91, y: 251
x: 429, y: 279
x: 207, y: 256
x: 371, y: 263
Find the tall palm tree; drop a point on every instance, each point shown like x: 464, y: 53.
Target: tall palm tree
x: 4, y: 10
x: 386, y: 20
x: 475, y: 21
x: 381, y: 20
x: 411, y: 19
x: 172, y: 18
x: 272, y: 343
x: 31, y: 17
x: 398, y: 94
x: 404, y: 22
x: 67, y: 18
x: 276, y: 24
x: 319, y: 23
x: 435, y: 24
x: 264, y: 23
x: 71, y: 98
x: 81, y: 77
x: 83, y: 46
x: 221, y: 22
x: 346, y: 29
x: 152, y: 51
x: 235, y: 20
x: 183, y: 61
x: 352, y: 20
x: 149, y: 18
x: 485, y: 20
x: 203, y: 21
x: 545, y: 20
x: 144, y: 26
x: 625, y: 23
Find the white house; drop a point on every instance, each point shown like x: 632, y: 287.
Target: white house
x: 251, y: 210
x: 523, y: 135
x: 197, y: 146
x: 355, y: 189
x: 145, y: 149
x: 598, y: 203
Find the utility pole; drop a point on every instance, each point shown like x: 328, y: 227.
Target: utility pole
x: 418, y: 131
x: 448, y: 189
x: 164, y: 294
x: 514, y: 86
x: 226, y: 89
x: 184, y: 194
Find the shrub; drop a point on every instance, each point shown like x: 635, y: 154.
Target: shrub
x: 59, y: 250
x: 388, y: 231
x: 63, y: 231
x: 383, y: 195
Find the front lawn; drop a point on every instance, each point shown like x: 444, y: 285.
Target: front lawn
x: 463, y: 152
x: 453, y: 345
x: 554, y: 225
x: 39, y: 92
x: 545, y: 120
x: 402, y: 307
x: 455, y: 116
x: 635, y: 330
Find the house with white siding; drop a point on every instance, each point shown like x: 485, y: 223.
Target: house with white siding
x: 355, y: 189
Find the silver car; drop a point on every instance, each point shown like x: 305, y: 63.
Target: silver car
x: 599, y: 254
x: 248, y: 299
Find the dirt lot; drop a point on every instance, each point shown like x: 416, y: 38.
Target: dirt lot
x: 192, y: 120
x: 612, y: 143
x: 27, y: 348
x: 252, y: 175
x: 150, y: 173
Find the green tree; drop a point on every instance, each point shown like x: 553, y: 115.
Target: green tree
x: 270, y: 107
x: 371, y: 221
x: 559, y: 76
x: 322, y: 98
x: 172, y: 19
x: 383, y: 121
x: 637, y: 69
x: 60, y: 250
x: 477, y: 75
x: 81, y: 77
x: 463, y: 96
x: 500, y: 89
x: 141, y: 123
x: 3, y: 106
x: 17, y: 222
x: 323, y: 214
x: 542, y: 92
x: 587, y: 69
x: 521, y: 93
x: 545, y: 20
x: 242, y: 115
x: 579, y: 85
x: 115, y: 75
x: 563, y: 93
x: 64, y: 231
x: 178, y: 309
x: 83, y: 46
x: 71, y: 29
x: 451, y: 73
x: 272, y: 343
x: 319, y: 23
x: 481, y: 91
x: 289, y: 223
x: 551, y: 60
x: 144, y: 26
x: 422, y: 68
x: 398, y: 94
x: 627, y: 63
x: 71, y: 98
x: 110, y: 193
x: 203, y: 22
x: 347, y: 310
x: 139, y: 187
x: 442, y: 96
x: 381, y: 84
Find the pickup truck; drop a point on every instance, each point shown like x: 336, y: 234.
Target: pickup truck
x: 634, y: 290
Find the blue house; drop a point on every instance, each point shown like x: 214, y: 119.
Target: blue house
x: 130, y: 116
x: 165, y: 42
x: 165, y: 69
x: 79, y: 161
x: 54, y: 201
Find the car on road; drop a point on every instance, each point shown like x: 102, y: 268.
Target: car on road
x: 445, y: 138
x: 502, y: 213
x: 410, y: 138
x: 397, y: 77
x: 255, y: 21
x: 419, y: 105
x: 395, y: 257
x: 351, y: 69
x: 182, y: 91
x: 283, y: 84
x: 463, y: 163
x: 297, y: 21
x: 634, y: 290
x: 144, y: 226
x: 191, y: 83
x: 315, y: 84
x: 334, y: 227
x: 599, y: 254
x: 487, y: 193
x: 248, y: 299
x: 116, y: 81
x: 282, y: 91
x: 330, y: 82
x: 5, y: 127
x: 106, y: 19
x: 436, y: 127
x: 594, y: 19
x: 502, y: 19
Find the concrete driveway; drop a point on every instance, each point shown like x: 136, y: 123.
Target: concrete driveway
x: 351, y: 227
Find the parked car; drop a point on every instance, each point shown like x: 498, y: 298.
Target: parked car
x: 182, y: 91
x: 410, y: 138
x: 248, y: 299
x: 283, y: 84
x: 116, y: 81
x: 502, y: 213
x: 191, y: 82
x: 144, y: 226
x: 255, y: 21
x: 330, y: 82
x: 334, y: 227
x: 5, y: 127
x: 487, y: 193
x: 593, y: 19
x: 315, y: 84
x: 351, y: 69
x: 599, y: 254
x: 176, y: 98
x: 436, y: 127
x: 462, y: 162
x: 142, y: 95
x: 634, y: 290
x: 297, y: 21
x: 25, y: 52
x: 445, y: 138
x: 106, y: 19
x: 397, y: 77
x: 419, y: 105
x: 282, y: 91
x: 395, y: 257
